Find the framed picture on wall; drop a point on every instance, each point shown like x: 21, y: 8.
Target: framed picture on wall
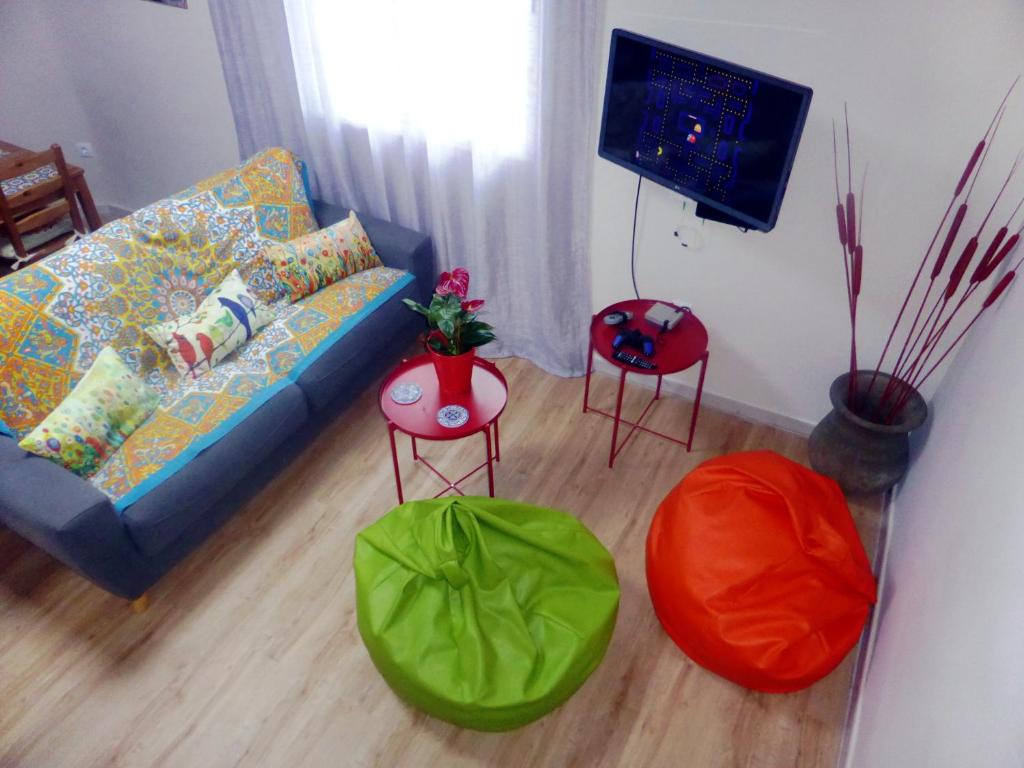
x: 172, y: 3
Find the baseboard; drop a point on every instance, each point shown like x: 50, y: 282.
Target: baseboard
x: 746, y: 411
x: 866, y: 648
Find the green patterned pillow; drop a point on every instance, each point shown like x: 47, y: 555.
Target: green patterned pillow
x: 224, y: 321
x: 105, y: 407
x: 314, y: 261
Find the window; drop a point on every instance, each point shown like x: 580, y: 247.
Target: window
x: 451, y: 71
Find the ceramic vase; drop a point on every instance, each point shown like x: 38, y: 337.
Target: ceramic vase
x: 454, y: 372
x: 857, y: 448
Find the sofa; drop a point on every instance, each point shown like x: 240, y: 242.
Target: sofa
x: 213, y: 440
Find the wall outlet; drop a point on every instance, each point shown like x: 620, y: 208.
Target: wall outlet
x: 85, y: 149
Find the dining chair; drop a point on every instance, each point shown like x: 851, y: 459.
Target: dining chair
x: 37, y: 219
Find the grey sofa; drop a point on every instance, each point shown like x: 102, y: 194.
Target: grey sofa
x: 125, y: 553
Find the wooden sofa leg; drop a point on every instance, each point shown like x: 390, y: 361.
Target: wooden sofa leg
x: 141, y: 603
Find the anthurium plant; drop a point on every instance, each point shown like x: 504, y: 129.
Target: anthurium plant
x: 451, y: 317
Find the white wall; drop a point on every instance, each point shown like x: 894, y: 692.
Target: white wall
x: 141, y: 81
x: 922, y: 79
x: 945, y: 685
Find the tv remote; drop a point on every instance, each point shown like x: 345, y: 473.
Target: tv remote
x: 634, y: 360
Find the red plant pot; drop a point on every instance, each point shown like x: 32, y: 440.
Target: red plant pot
x: 454, y: 372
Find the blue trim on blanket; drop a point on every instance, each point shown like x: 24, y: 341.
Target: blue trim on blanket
x: 200, y: 444
x: 304, y: 170
x: 5, y: 430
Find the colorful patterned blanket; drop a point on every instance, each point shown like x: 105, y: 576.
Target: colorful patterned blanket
x: 152, y: 266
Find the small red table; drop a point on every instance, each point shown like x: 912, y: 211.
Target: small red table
x: 485, y: 402
x: 674, y: 351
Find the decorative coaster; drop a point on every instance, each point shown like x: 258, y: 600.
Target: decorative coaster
x: 452, y: 416
x: 406, y: 394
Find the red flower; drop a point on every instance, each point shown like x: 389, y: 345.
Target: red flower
x: 456, y: 281
x: 472, y: 305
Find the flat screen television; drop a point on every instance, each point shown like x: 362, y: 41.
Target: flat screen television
x: 716, y: 132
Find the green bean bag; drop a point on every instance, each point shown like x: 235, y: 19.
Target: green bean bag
x: 484, y: 612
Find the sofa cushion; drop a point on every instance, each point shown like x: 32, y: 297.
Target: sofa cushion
x: 194, y: 413
x: 162, y: 514
x: 9, y: 450
x: 328, y: 376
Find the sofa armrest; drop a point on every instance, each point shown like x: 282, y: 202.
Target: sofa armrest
x: 397, y: 246
x: 73, y: 521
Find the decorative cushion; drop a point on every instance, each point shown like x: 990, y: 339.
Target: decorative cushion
x: 756, y: 571
x: 314, y: 261
x: 223, y: 322
x: 194, y: 413
x: 104, y: 408
x: 484, y: 612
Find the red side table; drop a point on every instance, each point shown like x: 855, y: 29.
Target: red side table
x: 674, y: 351
x: 485, y: 402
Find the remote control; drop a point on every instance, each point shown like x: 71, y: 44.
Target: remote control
x: 634, y: 360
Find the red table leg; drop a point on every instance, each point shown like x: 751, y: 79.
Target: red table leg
x: 415, y: 453
x: 618, y: 415
x: 696, y: 401
x: 394, y: 459
x: 497, y: 442
x: 490, y: 465
x: 590, y: 369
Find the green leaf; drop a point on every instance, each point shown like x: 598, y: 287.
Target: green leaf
x: 476, y: 337
x: 415, y: 306
x: 447, y: 326
x: 478, y: 325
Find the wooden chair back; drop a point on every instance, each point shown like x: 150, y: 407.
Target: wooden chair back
x: 39, y: 205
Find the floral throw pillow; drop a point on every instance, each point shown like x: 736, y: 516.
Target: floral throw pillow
x: 223, y: 322
x: 314, y: 261
x: 109, y: 403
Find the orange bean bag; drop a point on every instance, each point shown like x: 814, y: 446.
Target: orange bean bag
x: 756, y: 571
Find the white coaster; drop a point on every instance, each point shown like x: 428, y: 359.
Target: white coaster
x: 452, y: 416
x: 406, y: 394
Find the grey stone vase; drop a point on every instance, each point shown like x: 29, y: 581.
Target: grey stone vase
x: 858, y: 450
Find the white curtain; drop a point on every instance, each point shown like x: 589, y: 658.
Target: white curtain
x: 471, y: 121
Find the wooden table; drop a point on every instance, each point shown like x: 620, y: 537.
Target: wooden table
x: 13, y: 186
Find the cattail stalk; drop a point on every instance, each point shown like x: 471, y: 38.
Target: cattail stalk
x: 974, y: 163
x: 907, y: 353
x: 845, y: 227
x: 991, y: 299
x: 977, y: 279
x: 960, y: 268
x: 940, y: 262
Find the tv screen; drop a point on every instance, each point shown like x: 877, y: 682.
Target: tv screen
x: 716, y: 132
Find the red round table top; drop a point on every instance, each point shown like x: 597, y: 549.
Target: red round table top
x: 485, y: 400
x: 674, y: 350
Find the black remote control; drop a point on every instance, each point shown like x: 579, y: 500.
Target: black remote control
x: 634, y: 360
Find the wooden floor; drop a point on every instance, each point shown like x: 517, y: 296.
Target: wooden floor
x: 250, y: 656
